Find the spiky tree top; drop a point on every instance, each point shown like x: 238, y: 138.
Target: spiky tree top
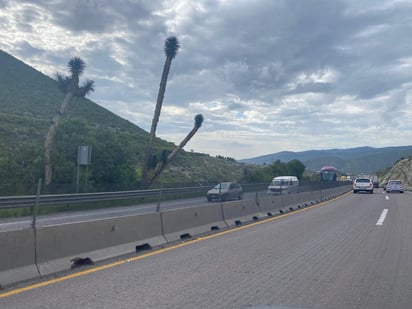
x: 198, y: 120
x: 76, y: 67
x: 171, y: 47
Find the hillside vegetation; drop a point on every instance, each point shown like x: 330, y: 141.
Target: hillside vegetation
x: 402, y: 170
x: 28, y: 101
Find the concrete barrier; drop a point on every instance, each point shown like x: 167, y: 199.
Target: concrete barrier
x: 317, y: 196
x: 17, y: 256
x: 292, y: 201
x: 271, y: 204
x: 334, y: 192
x: 96, y: 239
x: 182, y: 223
x: 239, y: 212
x: 275, y: 204
x: 29, y: 253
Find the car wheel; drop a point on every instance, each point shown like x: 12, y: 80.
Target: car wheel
x: 240, y: 196
x: 354, y: 191
x: 209, y: 198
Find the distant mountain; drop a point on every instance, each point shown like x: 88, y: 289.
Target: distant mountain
x: 352, y: 161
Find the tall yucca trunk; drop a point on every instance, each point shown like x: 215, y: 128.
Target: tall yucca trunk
x: 49, y: 141
x: 145, y: 182
x: 171, y: 48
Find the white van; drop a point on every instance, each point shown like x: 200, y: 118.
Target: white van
x: 283, y: 185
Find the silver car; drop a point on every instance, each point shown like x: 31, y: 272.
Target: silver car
x: 225, y: 191
x: 394, y: 186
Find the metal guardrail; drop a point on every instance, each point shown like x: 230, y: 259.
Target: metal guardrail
x: 55, y: 199
x: 7, y: 202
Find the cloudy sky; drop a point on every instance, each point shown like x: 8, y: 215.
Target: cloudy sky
x: 267, y: 75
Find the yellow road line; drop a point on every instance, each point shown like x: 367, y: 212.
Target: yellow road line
x: 159, y: 251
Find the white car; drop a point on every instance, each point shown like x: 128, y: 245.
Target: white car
x: 363, y: 184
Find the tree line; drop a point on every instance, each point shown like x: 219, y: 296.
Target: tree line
x: 267, y: 172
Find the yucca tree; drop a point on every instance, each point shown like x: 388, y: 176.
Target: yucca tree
x: 171, y: 48
x: 162, y: 164
x: 70, y: 86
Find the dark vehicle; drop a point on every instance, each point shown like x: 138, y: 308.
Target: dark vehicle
x: 394, y: 186
x: 225, y: 191
x: 363, y: 184
x: 375, y: 181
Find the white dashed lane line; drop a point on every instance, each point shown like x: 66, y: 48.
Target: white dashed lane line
x: 382, y: 217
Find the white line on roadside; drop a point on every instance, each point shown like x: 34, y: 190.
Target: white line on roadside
x: 387, y: 197
x: 382, y: 217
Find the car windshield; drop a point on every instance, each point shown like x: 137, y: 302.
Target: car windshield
x: 280, y: 182
x: 328, y: 175
x: 222, y: 186
x: 363, y: 180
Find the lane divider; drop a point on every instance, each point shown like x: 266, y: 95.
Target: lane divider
x: 382, y: 217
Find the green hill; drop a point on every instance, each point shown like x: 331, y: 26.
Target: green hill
x: 29, y: 100
x: 402, y: 170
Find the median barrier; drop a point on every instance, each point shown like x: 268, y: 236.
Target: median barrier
x: 302, y: 199
x: 17, y: 256
x: 316, y: 196
x: 270, y: 204
x: 179, y: 224
x: 344, y: 189
x: 239, y: 212
x: 294, y: 201
x: 334, y: 192
x: 97, y: 240
x: 274, y: 204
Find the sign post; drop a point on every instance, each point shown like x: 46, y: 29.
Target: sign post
x: 84, y: 157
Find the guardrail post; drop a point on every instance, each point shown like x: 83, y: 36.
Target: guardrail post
x: 160, y: 197
x: 35, y: 212
x: 257, y: 200
x: 35, y: 209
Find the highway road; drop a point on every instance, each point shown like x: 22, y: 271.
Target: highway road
x: 353, y: 252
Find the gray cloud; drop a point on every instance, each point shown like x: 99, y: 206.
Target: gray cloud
x: 267, y: 75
